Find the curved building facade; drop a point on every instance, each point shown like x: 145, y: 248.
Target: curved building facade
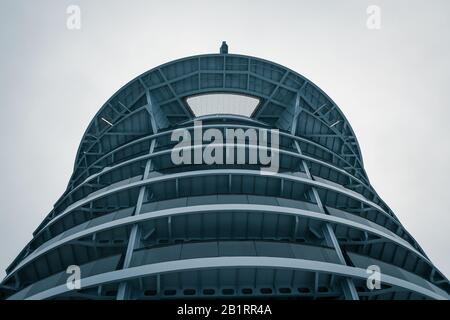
x: 139, y: 226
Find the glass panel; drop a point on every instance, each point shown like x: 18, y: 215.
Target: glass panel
x: 222, y: 103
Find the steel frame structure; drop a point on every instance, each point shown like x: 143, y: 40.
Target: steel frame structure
x: 141, y: 228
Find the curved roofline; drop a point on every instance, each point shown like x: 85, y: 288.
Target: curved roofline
x: 91, y: 123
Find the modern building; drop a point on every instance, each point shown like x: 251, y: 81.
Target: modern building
x: 141, y: 227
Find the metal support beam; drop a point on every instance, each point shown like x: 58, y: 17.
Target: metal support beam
x: 135, y: 235
x: 348, y: 286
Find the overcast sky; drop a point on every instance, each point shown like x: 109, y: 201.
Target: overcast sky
x: 392, y: 84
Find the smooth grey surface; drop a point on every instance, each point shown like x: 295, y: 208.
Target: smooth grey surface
x: 390, y: 83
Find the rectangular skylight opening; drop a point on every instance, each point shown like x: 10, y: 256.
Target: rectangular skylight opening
x: 225, y: 103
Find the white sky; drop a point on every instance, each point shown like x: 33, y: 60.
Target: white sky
x: 392, y: 85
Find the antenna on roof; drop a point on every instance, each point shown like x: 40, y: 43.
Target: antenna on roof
x: 224, y: 48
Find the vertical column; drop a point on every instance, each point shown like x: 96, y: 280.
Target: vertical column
x: 330, y: 238
x: 135, y: 235
x: 348, y: 286
x: 123, y: 292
